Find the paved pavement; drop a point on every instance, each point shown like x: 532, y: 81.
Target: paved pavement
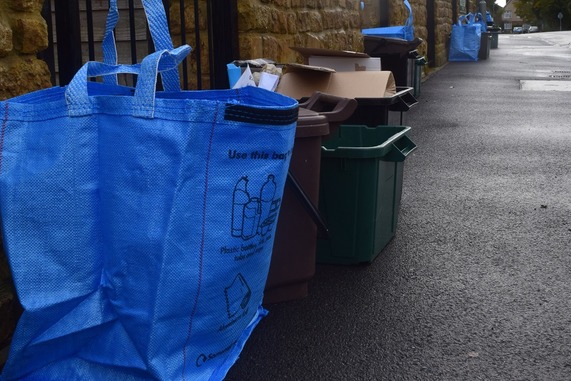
x: 476, y: 285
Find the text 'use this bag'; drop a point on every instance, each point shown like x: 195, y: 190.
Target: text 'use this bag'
x: 139, y: 224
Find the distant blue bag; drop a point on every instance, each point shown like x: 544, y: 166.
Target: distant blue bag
x: 489, y: 18
x: 139, y: 224
x: 479, y: 19
x: 405, y: 32
x: 465, y: 40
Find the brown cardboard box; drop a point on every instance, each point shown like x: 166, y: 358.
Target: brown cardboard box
x: 301, y: 81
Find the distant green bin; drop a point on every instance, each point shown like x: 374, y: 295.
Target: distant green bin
x: 360, y: 191
x: 495, y: 38
x: 417, y: 75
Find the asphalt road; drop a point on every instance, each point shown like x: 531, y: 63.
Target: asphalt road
x: 476, y: 283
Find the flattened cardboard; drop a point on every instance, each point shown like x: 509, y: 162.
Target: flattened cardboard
x: 308, y: 52
x: 303, y: 81
x: 340, y: 60
x: 291, y: 67
x: 347, y: 64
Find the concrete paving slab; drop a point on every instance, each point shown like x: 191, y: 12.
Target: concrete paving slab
x: 539, y: 85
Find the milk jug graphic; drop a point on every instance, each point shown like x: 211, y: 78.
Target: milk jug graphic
x: 267, y: 195
x: 239, y: 200
x: 251, y: 218
x: 238, y: 295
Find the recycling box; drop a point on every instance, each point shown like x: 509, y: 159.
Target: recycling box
x: 415, y: 67
x: 360, y: 191
x: 495, y: 38
x: 379, y: 100
x: 387, y: 110
x: 485, y: 44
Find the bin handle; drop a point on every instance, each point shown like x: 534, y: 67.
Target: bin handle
x: 335, y: 109
x: 323, y: 231
x: 401, y: 146
x: 405, y: 100
x: 401, y: 149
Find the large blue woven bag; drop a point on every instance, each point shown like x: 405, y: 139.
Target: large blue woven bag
x: 139, y: 224
x: 465, y: 39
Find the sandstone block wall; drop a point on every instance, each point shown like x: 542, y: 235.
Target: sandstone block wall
x: 23, y: 33
x: 190, y: 38
x: 267, y: 28
x: 443, y: 24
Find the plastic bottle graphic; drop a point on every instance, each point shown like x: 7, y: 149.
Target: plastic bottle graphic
x: 267, y: 195
x: 239, y: 200
x: 251, y: 218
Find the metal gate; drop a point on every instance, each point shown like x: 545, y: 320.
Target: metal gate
x: 75, y: 31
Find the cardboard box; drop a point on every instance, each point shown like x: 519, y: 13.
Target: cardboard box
x: 339, y: 60
x: 301, y: 81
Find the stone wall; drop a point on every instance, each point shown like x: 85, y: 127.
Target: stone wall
x: 175, y: 29
x: 443, y: 24
x: 419, y: 19
x: 370, y: 13
x: 23, y: 33
x: 267, y: 28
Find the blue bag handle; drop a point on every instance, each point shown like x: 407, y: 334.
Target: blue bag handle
x: 158, y: 26
x: 468, y: 18
x: 482, y: 21
x: 108, y: 44
x: 409, y: 20
x: 77, y: 96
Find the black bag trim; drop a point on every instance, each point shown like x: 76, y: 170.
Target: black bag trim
x: 254, y: 115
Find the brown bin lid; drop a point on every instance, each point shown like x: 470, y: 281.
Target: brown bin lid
x: 311, y: 123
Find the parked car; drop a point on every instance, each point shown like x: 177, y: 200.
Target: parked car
x: 533, y: 29
x: 517, y: 30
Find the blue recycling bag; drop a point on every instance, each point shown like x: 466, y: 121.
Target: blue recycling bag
x: 404, y: 32
x: 465, y: 40
x: 480, y: 20
x: 139, y: 224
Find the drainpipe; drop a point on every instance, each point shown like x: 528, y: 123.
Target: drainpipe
x: 431, y: 33
x: 384, y: 11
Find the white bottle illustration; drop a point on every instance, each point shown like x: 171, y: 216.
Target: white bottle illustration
x: 251, y: 218
x: 267, y: 195
x: 239, y: 200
